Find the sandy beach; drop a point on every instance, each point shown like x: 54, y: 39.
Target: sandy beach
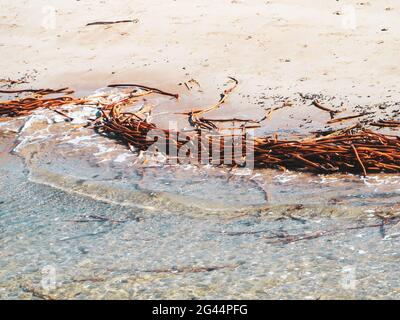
x: 344, y: 48
x: 109, y: 223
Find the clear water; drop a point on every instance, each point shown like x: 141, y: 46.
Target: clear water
x: 110, y: 224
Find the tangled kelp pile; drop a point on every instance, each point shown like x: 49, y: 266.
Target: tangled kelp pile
x: 355, y: 149
x: 24, y: 106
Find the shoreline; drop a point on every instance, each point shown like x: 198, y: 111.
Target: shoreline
x: 84, y: 214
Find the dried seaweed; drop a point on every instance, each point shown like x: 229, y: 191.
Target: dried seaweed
x: 25, y: 106
x: 332, y: 113
x: 386, y: 123
x: 151, y: 89
x: 40, y: 91
x: 111, y: 22
x: 355, y: 149
x: 202, y: 123
x: 338, y: 120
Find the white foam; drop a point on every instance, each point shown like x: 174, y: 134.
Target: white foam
x: 78, y: 140
x: 103, y: 150
x: 285, y: 177
x: 122, y: 157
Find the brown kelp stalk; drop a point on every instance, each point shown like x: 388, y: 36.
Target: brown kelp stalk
x: 354, y: 149
x: 24, y: 106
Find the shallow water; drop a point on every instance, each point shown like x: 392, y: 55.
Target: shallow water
x: 84, y: 215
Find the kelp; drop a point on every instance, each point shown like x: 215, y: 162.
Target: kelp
x: 355, y: 149
x: 26, y: 105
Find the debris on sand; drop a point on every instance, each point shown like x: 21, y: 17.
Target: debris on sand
x: 24, y: 106
x: 96, y: 23
x: 317, y: 104
x: 337, y: 120
x: 40, y: 91
x: 355, y: 149
x: 386, y: 123
x: 10, y: 82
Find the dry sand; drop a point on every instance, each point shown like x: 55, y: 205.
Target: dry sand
x: 347, y: 49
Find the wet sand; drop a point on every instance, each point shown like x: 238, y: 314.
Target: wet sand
x: 195, y: 232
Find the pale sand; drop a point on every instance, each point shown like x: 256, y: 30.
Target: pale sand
x: 288, y: 46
